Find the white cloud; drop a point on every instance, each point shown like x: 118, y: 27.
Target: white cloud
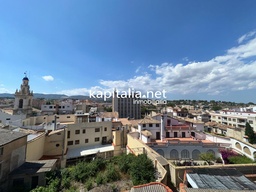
x: 223, y: 73
x: 77, y: 91
x: 185, y: 59
x: 232, y: 71
x: 82, y: 91
x: 138, y: 69
x: 246, y: 36
x: 48, y: 78
x: 4, y: 90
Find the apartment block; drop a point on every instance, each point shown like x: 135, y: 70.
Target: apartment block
x: 88, y: 139
x: 235, y: 118
x: 62, y: 108
x: 127, y: 107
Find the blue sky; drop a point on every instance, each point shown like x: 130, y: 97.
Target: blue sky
x: 193, y: 49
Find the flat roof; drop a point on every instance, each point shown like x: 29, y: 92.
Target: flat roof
x: 178, y: 139
x: 33, y: 136
x: 90, y: 150
x: 213, y: 190
x: 33, y: 167
x: 7, y: 136
x: 222, y: 178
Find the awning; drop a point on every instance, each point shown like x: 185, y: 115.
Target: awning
x: 90, y: 150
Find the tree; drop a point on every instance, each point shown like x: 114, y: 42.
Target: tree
x: 250, y: 133
x: 108, y: 109
x: 142, y: 170
x: 184, y: 109
x: 171, y: 104
x: 216, y: 107
x: 208, y: 157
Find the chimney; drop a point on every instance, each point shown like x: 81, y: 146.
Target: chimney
x: 162, y: 128
x: 139, y: 128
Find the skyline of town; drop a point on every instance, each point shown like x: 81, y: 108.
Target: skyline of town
x: 193, y: 50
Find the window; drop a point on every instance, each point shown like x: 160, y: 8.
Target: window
x: 68, y: 134
x: 150, y: 125
x: 50, y: 107
x: 77, y: 142
x: 34, y: 182
x: 168, y: 122
x: 97, y: 139
x: 19, y: 182
x: 57, y: 145
x: 77, y: 132
x: 185, y: 154
x: 104, y: 140
x: 84, y: 131
x: 105, y: 128
x: 1, y: 151
x: 97, y: 129
x: 7, y: 119
x: 68, y: 117
x: 144, y: 125
x: 70, y: 142
x: 86, y: 140
x: 157, y: 125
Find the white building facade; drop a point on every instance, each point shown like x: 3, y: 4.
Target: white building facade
x: 235, y: 118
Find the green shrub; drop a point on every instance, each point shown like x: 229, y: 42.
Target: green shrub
x: 142, y: 170
x: 111, y: 174
x: 208, y: 157
x: 65, y: 179
x: 83, y: 170
x: 239, y: 160
x: 71, y: 189
x: 100, y: 179
x: 125, y: 162
x: 40, y: 189
x: 89, y: 184
x: 219, y: 160
x: 100, y: 163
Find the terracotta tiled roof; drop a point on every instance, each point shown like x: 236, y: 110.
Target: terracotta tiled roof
x: 146, y: 133
x: 124, y: 121
x: 151, y: 187
x: 134, y: 122
x: 109, y: 114
x: 148, y: 120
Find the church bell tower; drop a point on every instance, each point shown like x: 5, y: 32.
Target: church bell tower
x: 23, y: 98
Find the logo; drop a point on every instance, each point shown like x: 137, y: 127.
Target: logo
x: 146, y: 97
